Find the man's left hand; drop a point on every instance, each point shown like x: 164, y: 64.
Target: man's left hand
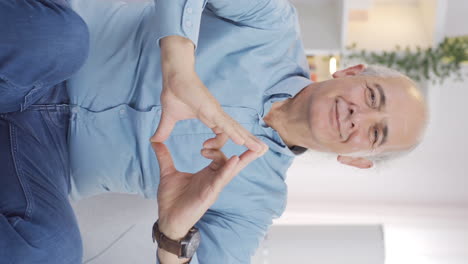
x: 183, y: 198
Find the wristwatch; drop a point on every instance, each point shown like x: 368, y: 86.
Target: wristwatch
x: 184, y: 248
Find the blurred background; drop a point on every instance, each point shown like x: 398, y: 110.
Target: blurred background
x: 411, y: 210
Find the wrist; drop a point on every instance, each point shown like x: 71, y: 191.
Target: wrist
x: 177, y: 55
x: 173, y: 232
x: 178, y: 249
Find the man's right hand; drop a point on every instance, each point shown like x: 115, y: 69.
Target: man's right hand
x: 184, y: 96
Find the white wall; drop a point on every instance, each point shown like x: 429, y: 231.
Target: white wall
x: 456, y: 19
x: 390, y: 23
x: 321, y: 25
x: 429, y: 12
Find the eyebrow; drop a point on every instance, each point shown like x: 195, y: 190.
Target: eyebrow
x: 382, y: 105
x: 382, y: 96
x: 385, y: 135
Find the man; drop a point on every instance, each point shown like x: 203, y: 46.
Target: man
x: 249, y: 55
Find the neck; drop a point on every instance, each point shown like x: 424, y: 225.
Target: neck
x: 290, y: 119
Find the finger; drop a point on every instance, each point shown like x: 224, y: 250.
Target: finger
x: 226, y: 173
x: 217, y: 130
x: 166, y: 165
x: 216, y: 142
x: 245, y: 159
x: 218, y: 157
x: 250, y: 141
x: 237, y: 133
x: 229, y: 126
x: 264, y: 147
x: 164, y: 128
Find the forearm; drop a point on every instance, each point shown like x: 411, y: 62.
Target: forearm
x: 177, y: 56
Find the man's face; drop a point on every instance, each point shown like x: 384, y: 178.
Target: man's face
x: 364, y: 115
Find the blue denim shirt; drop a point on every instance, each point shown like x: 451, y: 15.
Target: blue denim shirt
x: 248, y: 53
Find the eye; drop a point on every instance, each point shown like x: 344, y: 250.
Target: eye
x: 376, y: 135
x: 372, y: 97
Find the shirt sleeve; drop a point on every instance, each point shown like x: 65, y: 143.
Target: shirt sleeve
x: 183, y: 17
x: 229, y: 238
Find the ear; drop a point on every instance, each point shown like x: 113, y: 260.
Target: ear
x: 351, y: 71
x: 357, y: 162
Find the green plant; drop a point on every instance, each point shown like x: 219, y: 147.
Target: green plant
x: 431, y: 64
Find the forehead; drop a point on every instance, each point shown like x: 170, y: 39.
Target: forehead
x: 405, y: 112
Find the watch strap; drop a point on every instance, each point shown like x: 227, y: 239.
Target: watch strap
x: 172, y: 246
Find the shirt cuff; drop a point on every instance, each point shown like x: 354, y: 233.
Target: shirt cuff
x: 179, y: 18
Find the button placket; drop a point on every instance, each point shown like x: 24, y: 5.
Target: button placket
x: 122, y: 112
x: 187, y: 21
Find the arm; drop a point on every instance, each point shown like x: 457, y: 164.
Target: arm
x: 231, y: 238
x: 183, y: 17
x: 184, y: 95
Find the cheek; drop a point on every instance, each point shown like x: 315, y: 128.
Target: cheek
x: 355, y: 96
x: 319, y: 115
x: 359, y: 142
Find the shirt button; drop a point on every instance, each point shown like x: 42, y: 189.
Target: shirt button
x: 189, y: 10
x: 122, y: 111
x: 188, y: 24
x: 74, y: 110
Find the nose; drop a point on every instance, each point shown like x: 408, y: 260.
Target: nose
x: 359, y: 117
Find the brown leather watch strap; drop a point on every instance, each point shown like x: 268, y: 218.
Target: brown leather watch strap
x: 172, y: 246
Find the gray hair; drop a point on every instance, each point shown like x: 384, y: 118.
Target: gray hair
x: 381, y: 71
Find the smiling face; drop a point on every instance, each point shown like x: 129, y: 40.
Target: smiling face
x: 365, y: 115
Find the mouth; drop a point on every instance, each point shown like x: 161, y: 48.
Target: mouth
x: 337, y: 119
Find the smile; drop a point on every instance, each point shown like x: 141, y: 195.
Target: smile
x: 336, y: 117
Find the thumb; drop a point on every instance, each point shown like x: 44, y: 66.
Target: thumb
x: 166, y: 165
x: 164, y: 128
x: 227, y: 173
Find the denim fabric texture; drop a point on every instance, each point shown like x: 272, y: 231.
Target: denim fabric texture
x: 42, y: 44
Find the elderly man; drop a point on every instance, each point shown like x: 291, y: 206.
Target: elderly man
x: 237, y: 66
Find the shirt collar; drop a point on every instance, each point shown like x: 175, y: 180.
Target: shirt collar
x: 283, y: 90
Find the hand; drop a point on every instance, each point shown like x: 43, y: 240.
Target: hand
x: 183, y: 198
x: 184, y: 96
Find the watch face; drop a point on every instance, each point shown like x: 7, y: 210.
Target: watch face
x: 192, y: 245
